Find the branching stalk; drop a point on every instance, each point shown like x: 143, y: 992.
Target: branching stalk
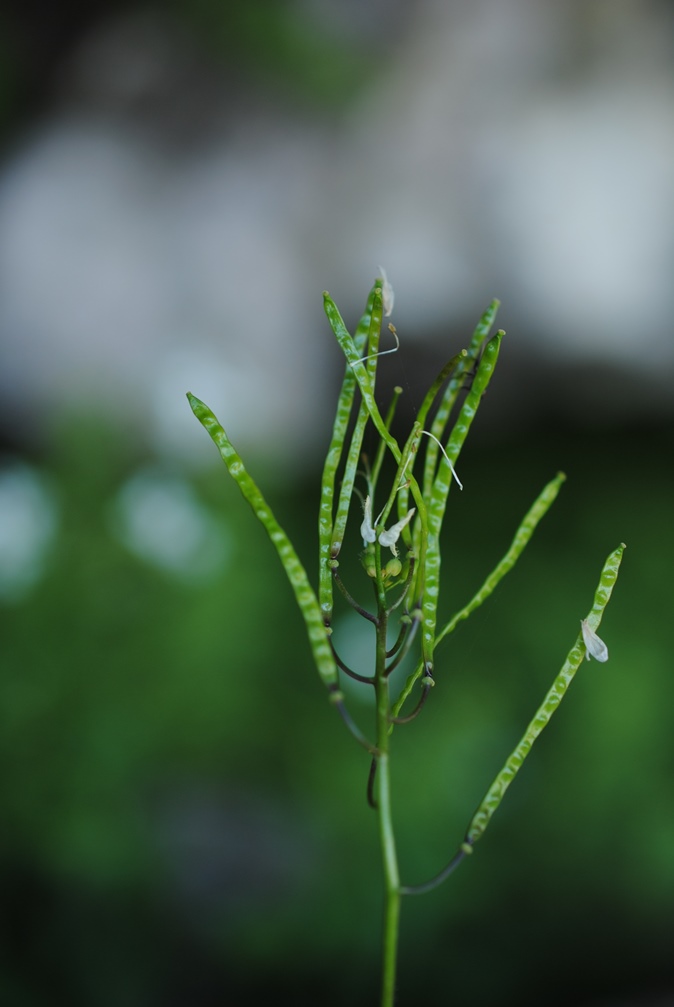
x: 413, y: 536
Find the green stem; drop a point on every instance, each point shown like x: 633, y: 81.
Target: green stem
x: 392, y: 890
x: 391, y: 919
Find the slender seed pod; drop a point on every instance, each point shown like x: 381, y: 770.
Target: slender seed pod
x: 496, y: 792
x: 430, y: 396
x: 362, y: 377
x: 480, y: 334
x: 558, y: 690
x: 403, y: 474
x: 360, y: 371
x: 520, y: 541
x: 304, y: 594
x: 420, y: 568
x: 353, y: 455
x: 381, y: 447
x: 522, y: 536
x: 441, y: 485
x: 429, y: 399
x: 332, y: 459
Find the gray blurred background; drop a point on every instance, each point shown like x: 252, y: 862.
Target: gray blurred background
x: 184, y: 819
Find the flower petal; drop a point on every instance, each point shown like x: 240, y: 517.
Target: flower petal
x: 595, y: 646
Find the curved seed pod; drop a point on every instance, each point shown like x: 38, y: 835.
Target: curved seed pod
x: 441, y: 484
x: 513, y: 763
x: 483, y: 328
x: 363, y: 378
x: 539, y: 508
x: 498, y: 788
x: 332, y: 459
x: 304, y: 594
x: 364, y: 326
x: 480, y: 333
x: 429, y: 398
x: 522, y: 536
x: 403, y: 474
x: 442, y: 481
x: 353, y: 456
x: 381, y: 447
x: 428, y: 401
x: 361, y: 372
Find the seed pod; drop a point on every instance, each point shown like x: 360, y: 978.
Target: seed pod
x: 393, y: 568
x: 368, y: 561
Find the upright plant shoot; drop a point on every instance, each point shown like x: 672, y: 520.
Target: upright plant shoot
x: 399, y: 522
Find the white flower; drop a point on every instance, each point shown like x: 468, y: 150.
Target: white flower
x: 390, y: 537
x: 387, y: 295
x: 595, y: 646
x: 366, y: 529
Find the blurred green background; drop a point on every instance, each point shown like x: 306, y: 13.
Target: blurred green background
x: 183, y: 815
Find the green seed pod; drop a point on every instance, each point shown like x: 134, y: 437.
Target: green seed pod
x: 368, y: 561
x: 393, y: 568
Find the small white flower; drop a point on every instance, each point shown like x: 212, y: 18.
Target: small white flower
x: 390, y: 537
x: 595, y: 646
x: 366, y: 529
x: 387, y: 295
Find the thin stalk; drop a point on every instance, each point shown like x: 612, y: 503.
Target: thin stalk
x: 351, y: 600
x: 392, y: 883
x: 391, y: 921
x: 381, y: 448
x: 404, y: 650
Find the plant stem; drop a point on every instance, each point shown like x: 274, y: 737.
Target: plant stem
x: 391, y: 885
x: 383, y: 796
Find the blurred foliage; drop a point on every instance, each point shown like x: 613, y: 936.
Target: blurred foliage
x: 274, y: 46
x: 184, y: 818
x: 274, y: 42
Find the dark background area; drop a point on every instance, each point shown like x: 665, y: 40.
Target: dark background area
x: 183, y: 815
